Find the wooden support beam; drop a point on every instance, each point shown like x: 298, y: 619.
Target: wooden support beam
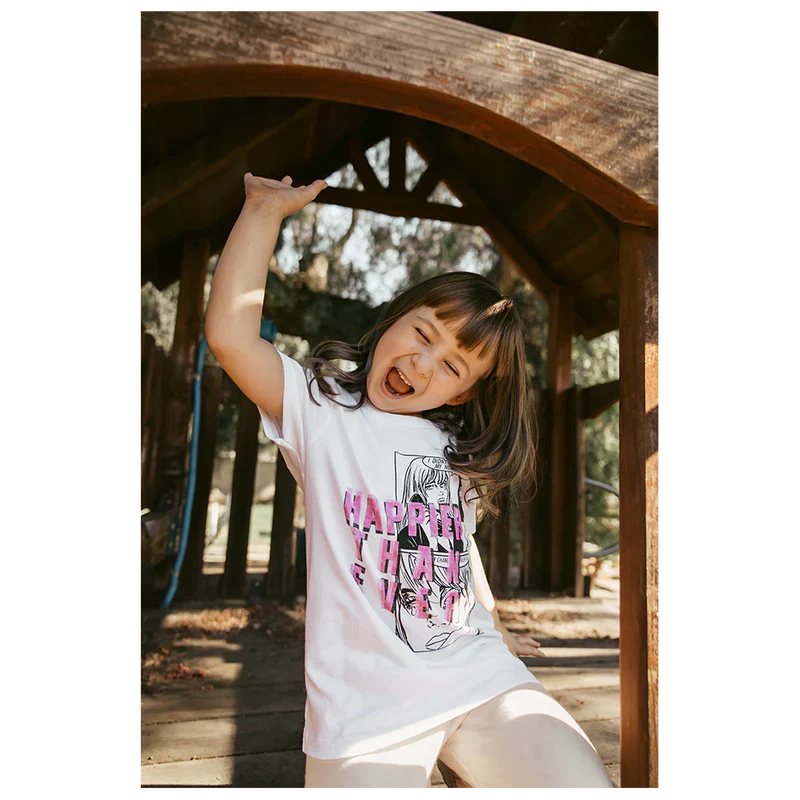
x: 153, y: 395
x: 536, y: 511
x: 177, y: 407
x: 638, y: 457
x: 149, y: 376
x: 574, y: 498
x: 363, y: 168
x: 397, y: 162
x: 243, y: 486
x: 597, y: 398
x: 280, y: 581
x: 498, y: 546
x: 495, y: 227
x: 399, y: 205
x: 427, y: 182
x: 560, y: 325
x: 559, y: 381
x: 191, y: 577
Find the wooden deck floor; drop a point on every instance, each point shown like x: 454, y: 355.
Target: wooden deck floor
x: 240, y: 724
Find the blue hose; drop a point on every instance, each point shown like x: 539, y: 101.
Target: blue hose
x: 268, y: 331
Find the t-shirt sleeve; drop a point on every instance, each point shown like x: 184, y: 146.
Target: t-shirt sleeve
x: 302, y: 419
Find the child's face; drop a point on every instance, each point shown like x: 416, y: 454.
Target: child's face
x: 428, y: 355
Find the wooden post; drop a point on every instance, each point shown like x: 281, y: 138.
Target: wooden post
x: 536, y: 512
x: 571, y: 577
x: 192, y: 570
x: 152, y: 423
x: 638, y: 338
x: 397, y: 162
x: 559, y: 380
x: 498, y: 545
x: 173, y: 448
x: 146, y: 374
x: 283, y: 539
x: 242, y: 490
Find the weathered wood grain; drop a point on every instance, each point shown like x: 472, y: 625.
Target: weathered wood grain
x: 639, y: 505
x: 591, y: 124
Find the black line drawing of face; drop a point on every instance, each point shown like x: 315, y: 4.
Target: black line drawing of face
x: 447, y: 604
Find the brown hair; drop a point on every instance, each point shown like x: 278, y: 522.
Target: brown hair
x: 493, y: 434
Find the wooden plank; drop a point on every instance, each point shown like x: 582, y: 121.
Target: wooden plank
x: 363, y: 168
x: 228, y: 701
x: 536, y: 512
x: 282, y: 551
x: 253, y: 733
x: 498, y: 546
x: 242, y: 489
x: 397, y: 162
x: 559, y: 381
x: 590, y: 124
x: 149, y: 367
x: 560, y: 327
x: 400, y: 205
x: 639, y: 506
x: 231, y: 140
x: 192, y: 569
x: 153, y: 428
x: 177, y: 411
x: 427, y: 182
x: 574, y: 512
x: 597, y: 398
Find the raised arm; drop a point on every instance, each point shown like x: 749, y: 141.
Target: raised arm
x: 233, y: 317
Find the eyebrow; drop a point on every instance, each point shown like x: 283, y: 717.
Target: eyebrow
x: 439, y: 335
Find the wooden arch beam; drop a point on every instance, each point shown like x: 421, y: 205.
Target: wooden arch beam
x: 588, y: 123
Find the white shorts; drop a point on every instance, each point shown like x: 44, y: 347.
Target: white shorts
x: 521, y: 738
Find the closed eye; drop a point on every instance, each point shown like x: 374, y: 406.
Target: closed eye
x: 455, y: 371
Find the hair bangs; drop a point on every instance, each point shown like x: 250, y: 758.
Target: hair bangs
x: 485, y: 327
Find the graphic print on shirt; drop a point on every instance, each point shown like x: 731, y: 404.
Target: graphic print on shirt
x: 424, y: 576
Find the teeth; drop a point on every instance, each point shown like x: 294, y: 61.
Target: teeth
x: 403, y: 377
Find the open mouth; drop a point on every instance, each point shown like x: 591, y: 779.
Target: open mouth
x: 395, y: 385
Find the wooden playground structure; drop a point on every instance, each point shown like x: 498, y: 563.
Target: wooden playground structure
x: 544, y: 125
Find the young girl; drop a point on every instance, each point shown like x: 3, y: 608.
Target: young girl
x: 406, y: 660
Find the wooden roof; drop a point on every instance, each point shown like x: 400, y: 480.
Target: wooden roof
x: 548, y: 149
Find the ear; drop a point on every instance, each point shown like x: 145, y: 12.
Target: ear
x: 462, y: 398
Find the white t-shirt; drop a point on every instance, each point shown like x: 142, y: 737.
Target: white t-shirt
x: 396, y: 642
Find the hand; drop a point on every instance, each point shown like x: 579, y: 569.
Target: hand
x: 281, y: 194
x: 522, y: 646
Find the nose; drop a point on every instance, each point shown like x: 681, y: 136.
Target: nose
x: 422, y: 364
